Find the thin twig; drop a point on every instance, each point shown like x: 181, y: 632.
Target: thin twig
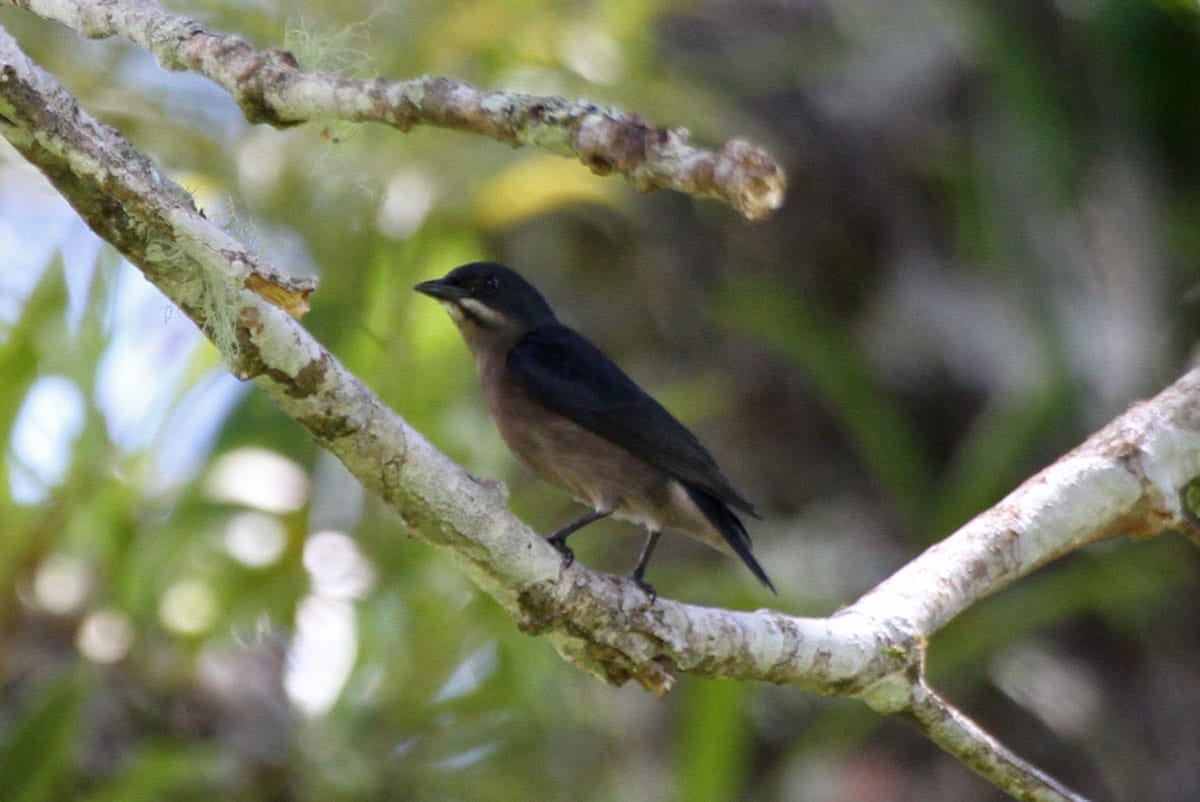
x: 960, y: 736
x: 270, y: 87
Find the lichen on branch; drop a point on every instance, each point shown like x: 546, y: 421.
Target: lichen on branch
x: 270, y: 87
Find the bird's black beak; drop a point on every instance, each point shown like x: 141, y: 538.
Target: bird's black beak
x: 438, y: 288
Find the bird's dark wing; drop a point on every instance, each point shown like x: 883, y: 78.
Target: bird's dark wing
x: 570, y: 376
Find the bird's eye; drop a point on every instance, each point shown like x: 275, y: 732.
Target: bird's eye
x: 489, y: 284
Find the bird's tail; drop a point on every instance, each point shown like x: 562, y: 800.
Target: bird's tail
x: 730, y: 527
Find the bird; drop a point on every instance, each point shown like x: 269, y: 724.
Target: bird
x: 580, y: 423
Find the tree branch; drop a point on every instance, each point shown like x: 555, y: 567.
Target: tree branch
x: 1127, y: 478
x: 950, y: 729
x: 270, y: 88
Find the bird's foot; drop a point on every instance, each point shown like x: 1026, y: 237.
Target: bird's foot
x: 560, y: 545
x: 646, y: 587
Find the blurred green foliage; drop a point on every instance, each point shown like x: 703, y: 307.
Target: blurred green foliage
x: 989, y: 249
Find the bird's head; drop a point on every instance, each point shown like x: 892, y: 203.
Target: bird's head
x: 489, y: 302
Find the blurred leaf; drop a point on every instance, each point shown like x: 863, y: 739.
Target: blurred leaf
x: 1037, y: 95
x: 711, y: 741
x: 43, y: 742
x: 539, y: 184
x: 21, y: 351
x: 697, y: 397
x: 20, y: 364
x: 992, y: 458
x: 165, y: 771
x: 827, y: 357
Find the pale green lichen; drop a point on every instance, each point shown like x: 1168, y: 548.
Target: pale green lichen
x: 332, y: 51
x: 221, y: 300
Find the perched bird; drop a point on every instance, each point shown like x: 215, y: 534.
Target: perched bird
x: 578, y: 422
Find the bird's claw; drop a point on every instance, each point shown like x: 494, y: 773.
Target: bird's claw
x: 562, y: 548
x: 645, y: 586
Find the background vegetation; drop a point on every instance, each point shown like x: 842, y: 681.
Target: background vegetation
x: 990, y: 247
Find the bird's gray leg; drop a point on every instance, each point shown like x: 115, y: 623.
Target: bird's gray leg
x: 639, y: 570
x: 558, y: 539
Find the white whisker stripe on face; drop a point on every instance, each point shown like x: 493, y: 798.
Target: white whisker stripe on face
x: 482, y: 311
